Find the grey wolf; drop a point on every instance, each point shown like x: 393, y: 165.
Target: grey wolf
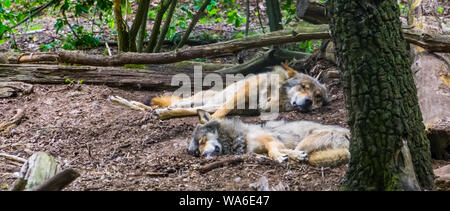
x: 322, y: 145
x: 293, y: 91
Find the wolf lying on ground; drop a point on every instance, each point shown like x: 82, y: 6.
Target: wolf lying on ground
x: 323, y: 145
x: 293, y: 91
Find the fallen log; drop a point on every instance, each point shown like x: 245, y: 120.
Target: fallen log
x: 313, y: 11
x: 110, y: 76
x: 232, y: 46
x: 58, y: 181
x: 432, y: 43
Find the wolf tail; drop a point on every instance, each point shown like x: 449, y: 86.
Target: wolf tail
x: 164, y: 101
x: 329, y: 157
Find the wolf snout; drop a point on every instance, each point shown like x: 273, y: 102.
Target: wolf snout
x: 212, y: 152
x: 304, y: 104
x: 194, y: 152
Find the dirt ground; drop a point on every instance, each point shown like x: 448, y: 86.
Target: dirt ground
x: 115, y: 148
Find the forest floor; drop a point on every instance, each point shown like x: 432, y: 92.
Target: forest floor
x: 116, y: 148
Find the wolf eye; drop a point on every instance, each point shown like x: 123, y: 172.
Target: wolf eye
x: 303, y: 86
x: 318, y: 96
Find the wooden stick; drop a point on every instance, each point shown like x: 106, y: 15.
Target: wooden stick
x: 107, y: 48
x: 156, y: 174
x: 58, y: 181
x: 131, y: 104
x: 219, y: 164
x: 13, y: 157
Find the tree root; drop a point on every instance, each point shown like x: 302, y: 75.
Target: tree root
x: 12, y: 123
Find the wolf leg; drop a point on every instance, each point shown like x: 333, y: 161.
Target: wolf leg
x: 166, y: 113
x: 241, y: 94
x: 326, y: 148
x: 295, y: 154
x: 272, y: 145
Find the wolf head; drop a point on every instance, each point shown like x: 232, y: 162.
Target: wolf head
x: 305, y: 93
x: 214, y: 137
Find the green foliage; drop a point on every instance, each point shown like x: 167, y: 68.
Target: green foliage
x: 404, y: 9
x: 288, y: 9
x: 306, y: 46
x: 202, y: 59
x: 47, y: 47
x: 135, y: 66
x: 82, y: 39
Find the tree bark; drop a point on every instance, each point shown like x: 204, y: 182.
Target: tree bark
x: 58, y: 181
x: 164, y: 4
x: 194, y: 21
x: 114, y: 77
x: 274, y: 14
x: 38, y: 168
x: 389, y: 148
x: 258, y: 64
x: 141, y: 16
x: 232, y: 46
x: 165, y: 27
x: 121, y: 28
x: 311, y: 11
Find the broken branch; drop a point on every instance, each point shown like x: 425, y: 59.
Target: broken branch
x: 13, y: 121
x: 58, y: 181
x: 219, y: 164
x: 13, y: 158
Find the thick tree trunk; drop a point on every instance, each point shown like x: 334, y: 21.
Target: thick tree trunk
x: 389, y: 148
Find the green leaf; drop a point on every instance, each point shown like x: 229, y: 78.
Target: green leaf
x: 441, y: 10
x: 7, y: 3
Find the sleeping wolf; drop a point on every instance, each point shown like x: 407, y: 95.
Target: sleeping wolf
x: 323, y: 145
x: 293, y: 91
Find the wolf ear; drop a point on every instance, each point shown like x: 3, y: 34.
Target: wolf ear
x: 291, y: 72
x: 203, y: 116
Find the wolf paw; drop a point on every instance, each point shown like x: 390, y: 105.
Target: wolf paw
x: 281, y: 158
x: 298, y: 155
x: 161, y: 112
